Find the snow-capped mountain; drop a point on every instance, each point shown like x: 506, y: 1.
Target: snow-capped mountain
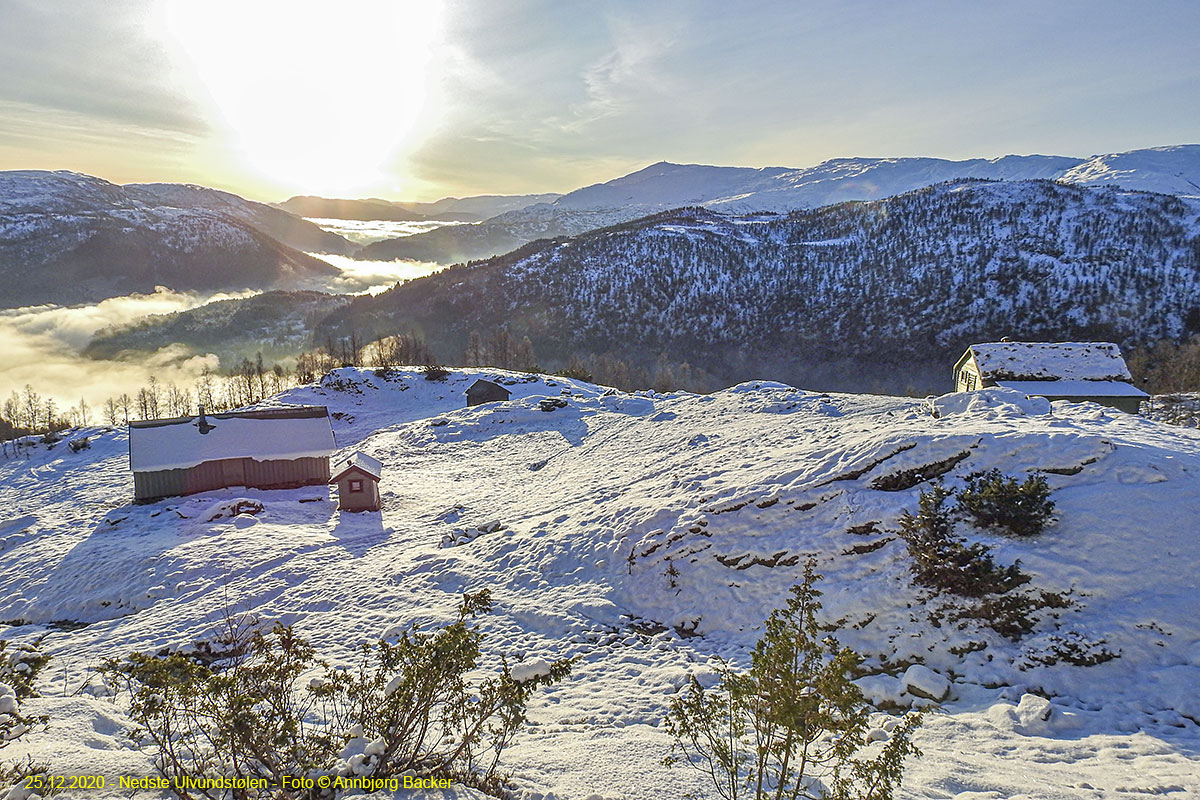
x: 663, y: 186
x: 886, y: 285
x: 66, y: 238
x: 649, y: 535
x: 1169, y: 170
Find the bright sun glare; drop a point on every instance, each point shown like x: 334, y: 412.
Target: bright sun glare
x: 320, y: 96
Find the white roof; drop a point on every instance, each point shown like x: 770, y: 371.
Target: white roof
x: 359, y: 459
x: 1074, y: 388
x: 1027, y: 361
x: 270, y: 435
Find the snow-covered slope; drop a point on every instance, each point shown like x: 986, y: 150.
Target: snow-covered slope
x: 1169, y: 170
x: 664, y: 185
x: 69, y: 238
x: 615, y: 527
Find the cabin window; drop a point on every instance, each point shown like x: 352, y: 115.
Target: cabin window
x: 355, y: 486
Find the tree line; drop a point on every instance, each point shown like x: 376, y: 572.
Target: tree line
x: 27, y: 412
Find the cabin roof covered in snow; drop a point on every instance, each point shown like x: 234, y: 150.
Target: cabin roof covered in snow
x: 268, y: 435
x: 360, y: 461
x: 1049, y: 361
x: 1074, y: 388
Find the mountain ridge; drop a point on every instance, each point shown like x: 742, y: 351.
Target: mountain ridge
x: 906, y: 280
x: 666, y: 185
x: 70, y: 238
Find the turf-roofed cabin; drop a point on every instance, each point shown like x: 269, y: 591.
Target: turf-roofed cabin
x: 1076, y: 371
x: 276, y: 448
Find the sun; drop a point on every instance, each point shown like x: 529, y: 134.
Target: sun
x: 318, y: 96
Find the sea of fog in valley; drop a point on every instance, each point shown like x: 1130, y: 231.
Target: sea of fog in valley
x: 370, y: 231
x: 43, y: 344
x: 369, y: 277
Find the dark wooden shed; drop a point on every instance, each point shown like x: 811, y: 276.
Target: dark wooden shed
x: 357, y: 480
x: 482, y: 391
x: 277, y: 448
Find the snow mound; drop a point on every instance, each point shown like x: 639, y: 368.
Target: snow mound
x: 995, y: 402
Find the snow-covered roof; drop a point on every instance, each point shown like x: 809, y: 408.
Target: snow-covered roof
x: 1048, y: 361
x: 268, y: 435
x: 361, y: 461
x: 1074, y: 388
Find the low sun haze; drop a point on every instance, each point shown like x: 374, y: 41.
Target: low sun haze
x: 417, y: 101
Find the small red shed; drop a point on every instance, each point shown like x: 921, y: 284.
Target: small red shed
x: 357, y: 479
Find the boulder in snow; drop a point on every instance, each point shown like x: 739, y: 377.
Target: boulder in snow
x: 528, y: 670
x: 921, y: 681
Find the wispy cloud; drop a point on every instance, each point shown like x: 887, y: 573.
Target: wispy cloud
x: 622, y: 80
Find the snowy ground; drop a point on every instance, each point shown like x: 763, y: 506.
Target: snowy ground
x: 575, y: 518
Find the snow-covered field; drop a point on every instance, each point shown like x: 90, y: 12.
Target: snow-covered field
x: 617, y: 515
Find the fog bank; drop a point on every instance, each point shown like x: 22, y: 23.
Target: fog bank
x: 41, y: 346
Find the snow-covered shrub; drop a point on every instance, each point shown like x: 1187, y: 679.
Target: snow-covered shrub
x: 435, y: 372
x: 19, y: 668
x: 794, y: 725
x: 1014, y: 615
x: 996, y: 501
x: 281, y: 712
x: 944, y: 561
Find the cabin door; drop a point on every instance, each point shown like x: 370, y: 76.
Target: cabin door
x: 233, y: 472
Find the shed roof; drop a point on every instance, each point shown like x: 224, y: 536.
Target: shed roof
x: 1074, y: 388
x: 265, y: 435
x: 1048, y: 361
x: 481, y: 386
x: 360, y: 461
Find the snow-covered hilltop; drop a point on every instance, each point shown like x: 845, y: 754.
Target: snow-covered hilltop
x: 647, y: 535
x: 1168, y: 170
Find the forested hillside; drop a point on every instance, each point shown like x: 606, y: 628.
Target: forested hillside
x: 868, y: 287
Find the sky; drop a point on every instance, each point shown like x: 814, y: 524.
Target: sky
x: 421, y: 100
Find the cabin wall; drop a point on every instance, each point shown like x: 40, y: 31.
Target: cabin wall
x: 366, y: 500
x: 966, y: 377
x: 485, y: 397
x: 1130, y: 405
x: 230, y: 472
